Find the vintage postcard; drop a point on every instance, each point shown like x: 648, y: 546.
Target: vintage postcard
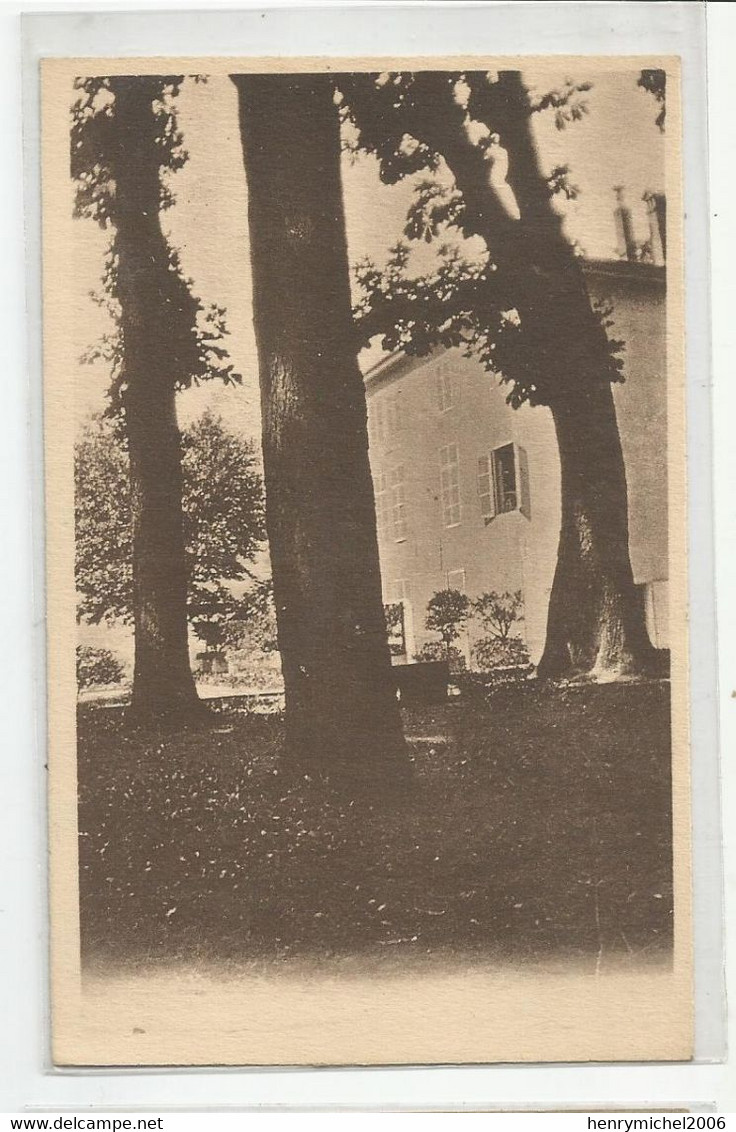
x: 367, y: 573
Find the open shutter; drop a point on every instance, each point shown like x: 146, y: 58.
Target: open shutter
x: 525, y: 501
x: 486, y: 493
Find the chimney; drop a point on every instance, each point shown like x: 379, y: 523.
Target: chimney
x: 626, y: 246
x: 657, y: 209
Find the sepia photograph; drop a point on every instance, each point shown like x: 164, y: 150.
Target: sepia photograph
x: 365, y: 473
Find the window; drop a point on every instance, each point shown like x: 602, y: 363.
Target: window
x: 382, y: 504
x: 485, y: 487
x: 456, y: 580
x: 375, y: 420
x: 390, y: 495
x: 398, y: 504
x: 504, y: 478
x: 384, y: 417
x: 393, y: 409
x: 445, y: 387
x: 503, y: 482
x: 450, y: 485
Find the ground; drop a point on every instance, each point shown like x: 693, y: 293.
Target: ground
x: 537, y: 825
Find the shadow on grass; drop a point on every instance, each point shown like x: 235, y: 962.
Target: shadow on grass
x: 539, y: 826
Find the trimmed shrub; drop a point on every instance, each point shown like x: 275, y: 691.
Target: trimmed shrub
x: 436, y: 650
x: 97, y: 667
x: 490, y: 653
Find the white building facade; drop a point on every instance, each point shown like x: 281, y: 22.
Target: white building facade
x: 468, y: 489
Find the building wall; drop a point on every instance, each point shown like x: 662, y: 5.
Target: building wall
x: 428, y: 555
x: 412, y: 419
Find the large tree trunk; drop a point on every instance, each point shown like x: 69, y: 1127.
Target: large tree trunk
x: 596, y: 621
x: 341, y: 710
x: 163, y: 686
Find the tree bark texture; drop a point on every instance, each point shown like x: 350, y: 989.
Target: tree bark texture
x: 148, y: 293
x: 342, y: 714
x: 596, y: 620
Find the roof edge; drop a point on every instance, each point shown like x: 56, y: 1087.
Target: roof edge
x: 615, y: 268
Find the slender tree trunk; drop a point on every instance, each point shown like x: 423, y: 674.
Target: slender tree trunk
x: 341, y: 709
x: 596, y: 620
x: 163, y: 686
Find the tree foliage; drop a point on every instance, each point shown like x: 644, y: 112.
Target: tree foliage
x: 492, y: 652
x: 433, y: 651
x: 499, y: 612
x: 442, y: 122
x: 568, y: 102
x: 96, y: 667
x: 103, y: 526
x: 125, y: 147
x: 254, y: 629
x: 521, y: 306
x: 654, y: 81
x: 223, y: 521
x: 191, y: 331
x: 394, y: 614
x: 447, y: 612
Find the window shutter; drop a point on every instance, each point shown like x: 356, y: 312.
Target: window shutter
x: 395, y: 414
x: 486, y: 493
x: 496, y: 483
x: 398, y: 503
x: 440, y: 391
x: 456, y: 580
x: 378, y: 490
x: 446, y: 386
x: 525, y: 501
x: 450, y: 485
x: 380, y: 431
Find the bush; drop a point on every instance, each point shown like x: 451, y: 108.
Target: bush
x: 255, y: 677
x: 447, y: 612
x: 499, y: 612
x: 435, y: 650
x: 96, y: 667
x: 490, y: 653
x: 394, y: 616
x: 252, y: 667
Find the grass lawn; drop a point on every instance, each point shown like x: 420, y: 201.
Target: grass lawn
x: 538, y: 826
